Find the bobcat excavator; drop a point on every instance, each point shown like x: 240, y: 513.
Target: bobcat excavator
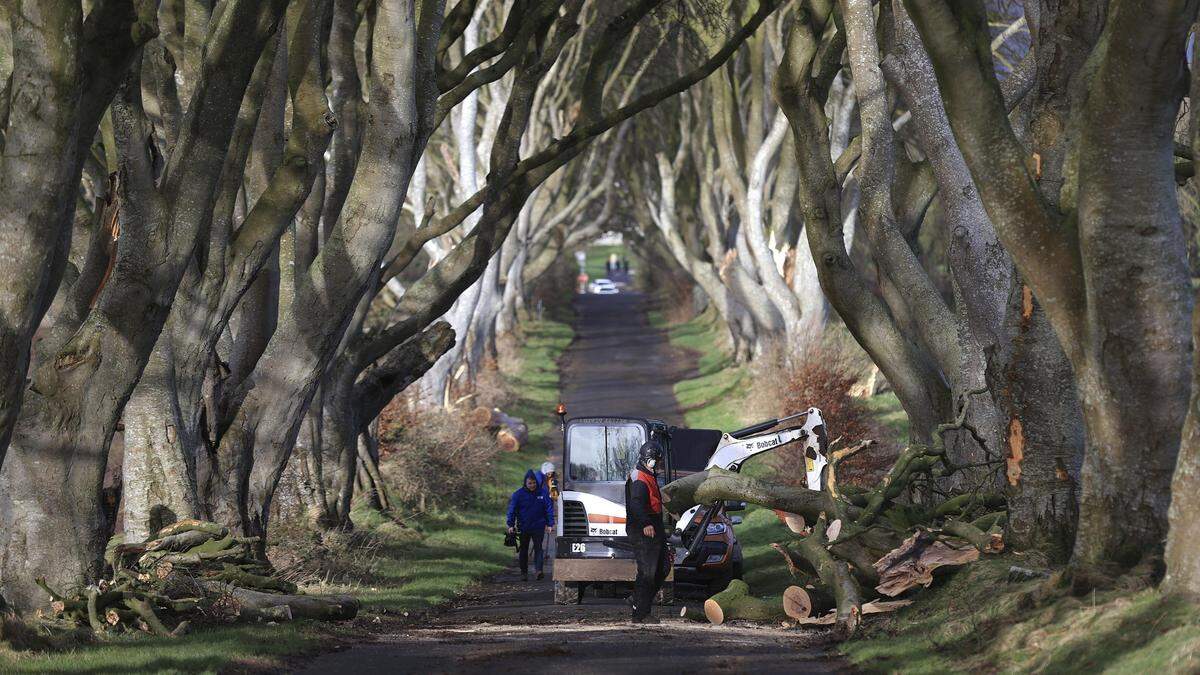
x: 599, y: 453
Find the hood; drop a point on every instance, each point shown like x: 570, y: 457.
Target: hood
x: 531, y: 474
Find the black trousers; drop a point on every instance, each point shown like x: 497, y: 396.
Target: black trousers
x: 653, y: 565
x: 523, y: 540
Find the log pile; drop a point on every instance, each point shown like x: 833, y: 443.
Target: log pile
x: 855, y: 551
x: 189, y: 572
x: 511, y: 432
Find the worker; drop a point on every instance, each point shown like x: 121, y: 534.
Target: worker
x: 644, y: 527
x: 531, y: 513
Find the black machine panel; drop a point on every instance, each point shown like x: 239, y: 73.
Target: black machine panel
x: 691, y: 448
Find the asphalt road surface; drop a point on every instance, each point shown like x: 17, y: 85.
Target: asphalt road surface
x: 618, y: 365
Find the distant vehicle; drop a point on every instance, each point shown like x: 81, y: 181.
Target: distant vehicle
x: 603, y: 287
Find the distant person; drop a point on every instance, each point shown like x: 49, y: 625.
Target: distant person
x: 644, y: 527
x: 531, y: 513
x: 545, y: 476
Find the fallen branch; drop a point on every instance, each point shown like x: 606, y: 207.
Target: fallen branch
x: 991, y: 541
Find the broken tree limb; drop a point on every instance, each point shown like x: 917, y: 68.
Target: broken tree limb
x: 913, y: 562
x: 792, y: 562
x: 835, y: 575
x: 962, y: 504
x: 183, y: 541
x: 145, y: 611
x: 735, y: 602
x: 991, y: 541
x: 213, y: 529
x: 716, y: 484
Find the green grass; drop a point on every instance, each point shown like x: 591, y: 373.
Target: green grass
x: 715, y: 398
x: 420, y: 567
x: 252, y: 646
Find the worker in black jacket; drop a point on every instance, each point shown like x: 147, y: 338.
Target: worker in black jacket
x: 644, y: 527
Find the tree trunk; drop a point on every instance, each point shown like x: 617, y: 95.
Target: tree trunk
x: 159, y: 470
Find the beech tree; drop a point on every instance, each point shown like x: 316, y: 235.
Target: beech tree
x: 1090, y: 249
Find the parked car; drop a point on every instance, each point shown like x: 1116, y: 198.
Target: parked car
x: 602, y: 287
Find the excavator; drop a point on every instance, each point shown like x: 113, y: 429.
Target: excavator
x: 598, y: 455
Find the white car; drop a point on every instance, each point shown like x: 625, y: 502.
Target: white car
x: 602, y: 287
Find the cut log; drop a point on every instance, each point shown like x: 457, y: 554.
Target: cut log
x: 913, y: 562
x: 480, y: 417
x: 321, y: 607
x: 795, y: 523
x: 508, y: 441
x: 735, y: 602
x: 511, y: 432
x: 801, y: 603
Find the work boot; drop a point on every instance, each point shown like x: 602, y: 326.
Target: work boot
x: 524, y: 576
x: 644, y: 619
x: 540, y: 575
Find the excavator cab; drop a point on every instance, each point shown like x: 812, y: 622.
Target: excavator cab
x: 599, y: 454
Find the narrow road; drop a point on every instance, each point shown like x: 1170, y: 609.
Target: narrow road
x: 619, y: 365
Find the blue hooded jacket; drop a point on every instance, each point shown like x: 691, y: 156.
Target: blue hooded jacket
x: 533, y: 510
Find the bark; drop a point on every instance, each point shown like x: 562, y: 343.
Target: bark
x: 64, y: 73
x: 1183, y: 538
x: 158, y: 475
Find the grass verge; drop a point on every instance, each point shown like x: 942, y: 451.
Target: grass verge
x: 421, y: 566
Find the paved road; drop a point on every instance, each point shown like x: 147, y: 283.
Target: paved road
x: 617, y: 365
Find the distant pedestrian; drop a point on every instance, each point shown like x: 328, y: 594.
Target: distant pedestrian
x: 531, y: 513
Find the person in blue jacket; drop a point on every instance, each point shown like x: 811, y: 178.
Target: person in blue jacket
x: 531, y: 512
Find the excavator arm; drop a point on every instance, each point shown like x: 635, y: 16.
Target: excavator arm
x: 738, y: 446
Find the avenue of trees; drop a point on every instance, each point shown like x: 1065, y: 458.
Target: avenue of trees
x: 234, y: 230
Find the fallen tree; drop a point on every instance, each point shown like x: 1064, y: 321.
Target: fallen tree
x: 862, y: 544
